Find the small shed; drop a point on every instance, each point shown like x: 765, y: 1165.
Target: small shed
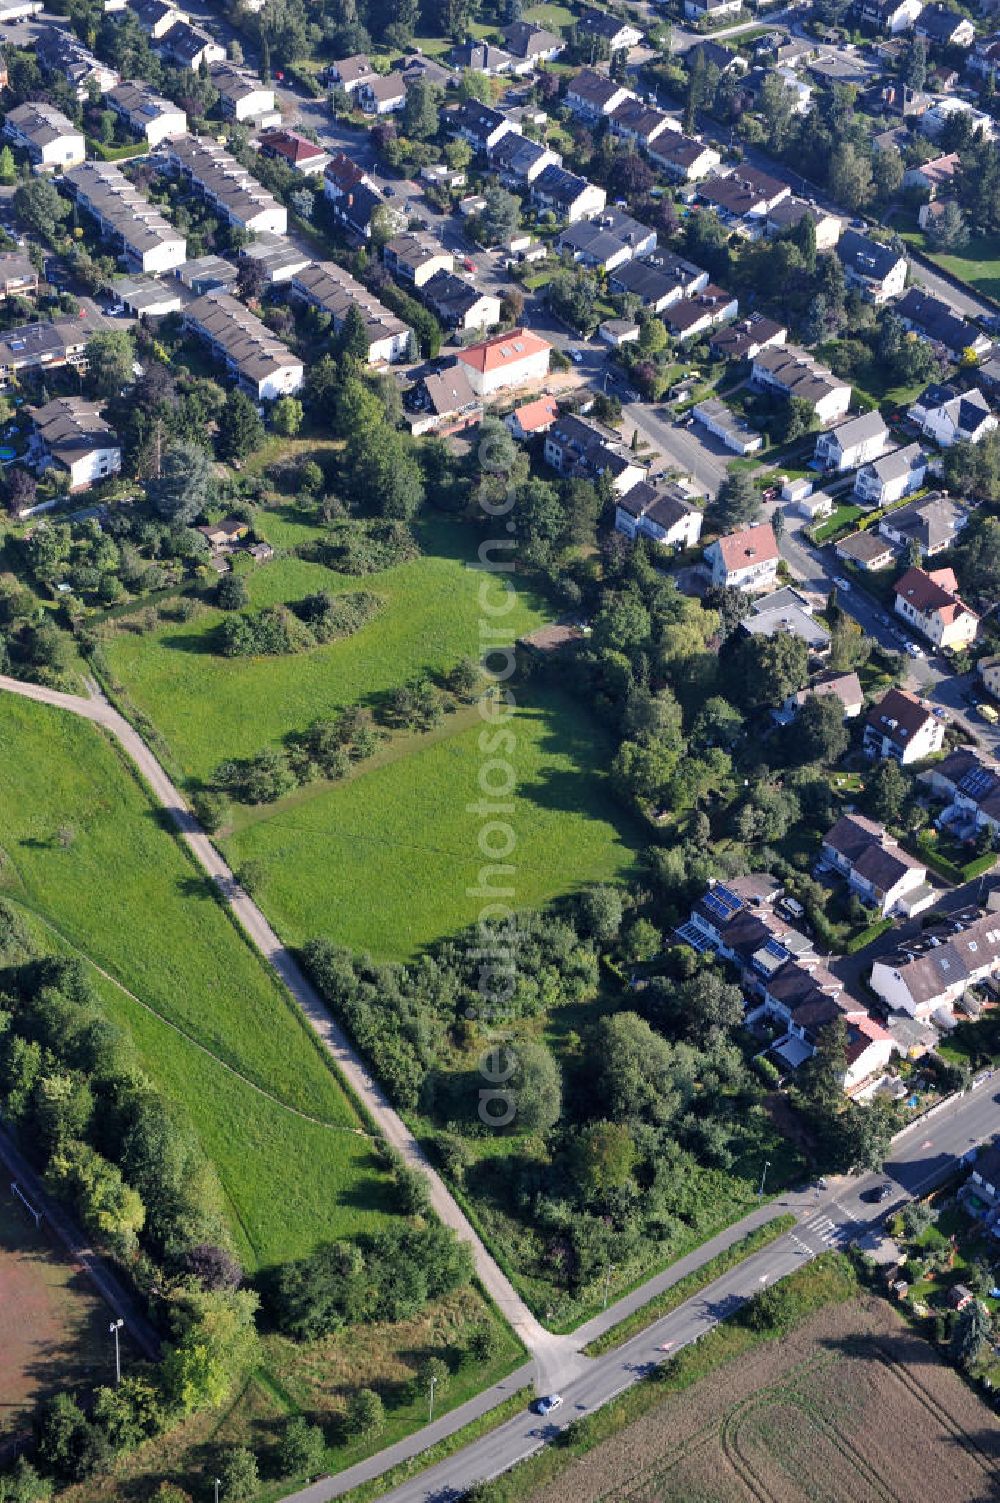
x: 795, y: 490
x: 814, y: 506
x: 960, y: 1295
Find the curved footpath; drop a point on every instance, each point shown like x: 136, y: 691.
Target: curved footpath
x: 829, y: 1216
x: 555, y: 1357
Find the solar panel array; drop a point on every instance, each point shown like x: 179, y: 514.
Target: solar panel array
x: 777, y: 950
x: 978, y: 783
x: 721, y: 903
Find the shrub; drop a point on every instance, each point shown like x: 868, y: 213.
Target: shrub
x: 239, y: 1474
x: 300, y: 1452
x: 365, y: 1414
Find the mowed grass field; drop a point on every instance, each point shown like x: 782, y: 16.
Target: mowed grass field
x: 209, y: 708
x: 53, y: 1327
x: 384, y: 862
x: 87, y: 851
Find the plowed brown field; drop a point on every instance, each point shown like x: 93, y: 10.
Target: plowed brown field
x: 851, y: 1408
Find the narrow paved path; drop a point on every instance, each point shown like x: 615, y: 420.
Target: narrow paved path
x: 556, y: 1357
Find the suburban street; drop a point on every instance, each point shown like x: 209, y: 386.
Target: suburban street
x: 923, y: 1155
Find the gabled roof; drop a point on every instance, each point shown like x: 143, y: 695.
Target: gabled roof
x: 536, y: 415
x: 526, y: 40
x: 865, y: 257
x: 858, y: 430
x: 898, y: 716
x: 343, y: 173
x: 594, y: 88
x: 749, y: 546
x: 290, y: 145
x: 932, y: 591
x: 450, y: 390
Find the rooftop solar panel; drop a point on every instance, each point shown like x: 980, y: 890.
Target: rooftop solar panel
x: 977, y: 783
x: 729, y: 898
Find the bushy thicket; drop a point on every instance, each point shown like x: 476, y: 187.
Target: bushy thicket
x: 363, y: 546
x: 280, y: 629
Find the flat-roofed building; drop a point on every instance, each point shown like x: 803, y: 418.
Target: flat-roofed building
x: 145, y: 297
x: 18, y: 277
x: 218, y: 176
x: 261, y: 363
x: 146, y: 241
x: 277, y: 257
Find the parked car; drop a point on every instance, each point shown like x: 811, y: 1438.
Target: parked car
x: 878, y: 1194
x: 941, y: 714
x: 576, y: 356
x: 547, y: 1404
x: 841, y: 582
x: 988, y: 713
x: 914, y: 650
x: 468, y: 264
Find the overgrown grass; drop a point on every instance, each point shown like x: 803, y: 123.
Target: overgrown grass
x: 388, y: 861
x: 87, y: 851
x: 669, y: 1300
x: 209, y: 708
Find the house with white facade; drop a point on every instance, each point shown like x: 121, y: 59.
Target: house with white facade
x: 931, y: 524
x: 331, y: 289
x: 594, y: 94
x: 897, y: 474
x: 875, y: 867
x: 52, y: 142
x: 147, y: 114
x: 793, y: 372
x: 723, y: 423
x: 949, y: 417
x: 903, y: 727
x: 660, y: 511
x: 579, y: 448
x: 414, y: 257
x: 745, y: 560
x: 684, y: 159
x: 506, y: 361
x: 929, y: 601
x: 602, y: 27
x: 856, y: 442
x: 70, y: 434
x: 210, y: 170
x: 259, y: 361
x: 569, y: 196
x: 843, y: 686
x: 144, y: 240
x: 242, y: 95
x: 930, y: 983
x: 878, y: 271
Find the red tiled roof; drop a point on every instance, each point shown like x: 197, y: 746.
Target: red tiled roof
x: 932, y: 591
x: 753, y: 545
x: 290, y: 145
x: 538, y: 414
x: 503, y: 350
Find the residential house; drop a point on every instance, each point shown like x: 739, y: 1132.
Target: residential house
x: 932, y: 525
x: 933, y: 176
x: 531, y: 43
x: 876, y: 868
x: 793, y: 372
x: 459, y: 304
x: 148, y: 115
x: 989, y: 671
x: 868, y: 550
x: 985, y: 1176
x: 51, y: 141
x: 208, y: 274
x: 744, y: 197
x: 295, y: 150
x: 744, y: 560
x: 721, y: 421
x: 483, y: 57
x: 843, y: 686
x: 70, y: 434
x: 895, y: 475
x: 858, y: 441
x: 143, y: 238
x: 601, y: 27
x: 223, y: 536
x: 683, y: 158
x: 878, y: 271
x: 342, y: 175
x: 146, y: 297
x: 903, y: 727
x: 607, y: 241
x: 48, y: 345
x: 259, y: 361
x: 935, y: 321
x: 278, y: 258
x: 787, y: 612
x: 210, y: 170
x: 746, y: 337
x: 351, y: 73
x: 568, y: 196
x: 157, y: 16
x: 328, y: 287
x: 242, y: 95
x: 695, y: 315
x: 532, y: 418
x: 948, y: 417
x: 190, y: 47
x: 642, y: 124
x: 660, y: 511
x: 594, y: 94
x: 943, y: 27
x: 790, y: 212
x: 888, y: 17
x: 577, y: 447
x: 711, y: 10
x: 18, y: 277
x: 518, y: 159
x: 929, y: 983
x: 478, y: 124
x: 385, y: 94
x: 618, y: 331
x: 60, y: 52
x: 413, y: 258
x: 715, y: 55
x: 937, y: 115
x: 971, y: 785
x: 506, y: 361
x: 444, y: 403
x: 357, y: 209
x: 659, y: 280
x: 930, y: 602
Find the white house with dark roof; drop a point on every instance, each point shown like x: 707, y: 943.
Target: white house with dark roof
x: 532, y: 43
x: 594, y: 94
x: 661, y: 512
x: 569, y: 196
x: 883, y: 875
x: 52, y: 142
x: 903, y: 727
x: 146, y: 113
x: 745, y: 560
x: 793, y: 372
x: 931, y: 524
x: 858, y: 441
x: 878, y: 271
x: 578, y: 447
x: 478, y: 124
x: 683, y: 158
x: 933, y: 981
x: 890, y: 478
x: 600, y: 26
x: 948, y: 416
x: 71, y: 435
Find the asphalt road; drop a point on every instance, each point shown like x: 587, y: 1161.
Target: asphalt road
x: 922, y: 1156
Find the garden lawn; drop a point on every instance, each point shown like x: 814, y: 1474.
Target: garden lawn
x: 86, y: 851
x: 978, y: 265
x: 384, y: 861
x: 209, y: 708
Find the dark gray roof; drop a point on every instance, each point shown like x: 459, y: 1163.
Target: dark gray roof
x: 866, y: 257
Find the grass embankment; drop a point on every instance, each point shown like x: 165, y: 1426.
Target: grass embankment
x: 669, y: 1300
x: 209, y: 707
x: 87, y: 851
x: 829, y: 1280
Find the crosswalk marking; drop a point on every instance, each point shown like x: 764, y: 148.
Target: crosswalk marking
x: 825, y: 1229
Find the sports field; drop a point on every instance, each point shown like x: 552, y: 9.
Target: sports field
x: 208, y: 707
x: 86, y: 850
x: 53, y: 1327
x: 385, y: 861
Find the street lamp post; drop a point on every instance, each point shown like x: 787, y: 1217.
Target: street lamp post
x: 114, y: 1328
x: 217, y: 1481
x: 430, y: 1407
x: 763, y: 1177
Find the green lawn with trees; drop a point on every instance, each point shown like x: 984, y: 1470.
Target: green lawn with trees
x: 403, y: 831
x: 85, y: 850
x: 209, y: 707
